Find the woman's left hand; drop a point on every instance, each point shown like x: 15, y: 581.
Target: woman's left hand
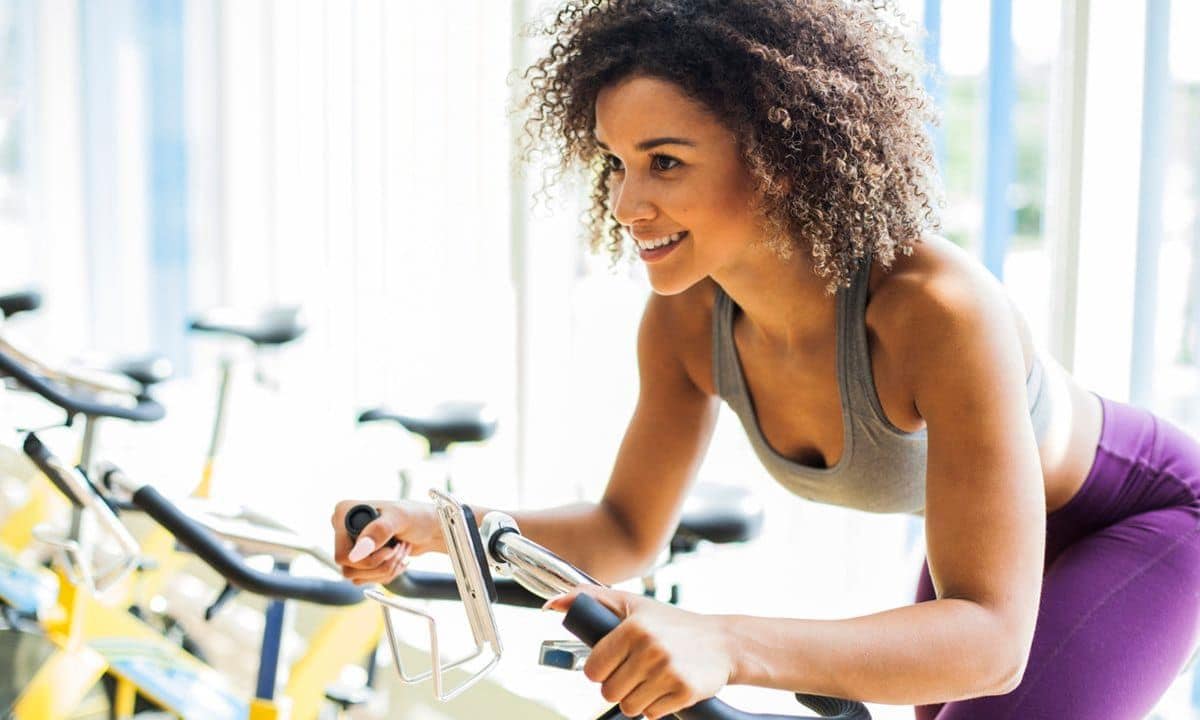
x: 660, y: 659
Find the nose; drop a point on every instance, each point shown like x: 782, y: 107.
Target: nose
x: 630, y: 203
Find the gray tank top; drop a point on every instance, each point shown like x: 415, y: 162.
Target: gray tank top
x: 882, y: 468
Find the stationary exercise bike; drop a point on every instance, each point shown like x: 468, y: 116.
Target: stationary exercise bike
x: 85, y: 638
x: 528, y: 574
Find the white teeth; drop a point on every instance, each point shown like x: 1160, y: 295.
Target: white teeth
x: 659, y: 242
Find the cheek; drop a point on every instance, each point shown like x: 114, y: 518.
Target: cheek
x: 727, y: 200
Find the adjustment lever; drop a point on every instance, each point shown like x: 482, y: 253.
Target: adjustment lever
x: 226, y: 595
x: 564, y: 654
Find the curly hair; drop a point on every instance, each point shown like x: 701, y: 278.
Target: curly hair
x: 823, y: 96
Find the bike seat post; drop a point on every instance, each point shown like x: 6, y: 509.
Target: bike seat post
x: 87, y: 451
x: 439, y: 460
x: 265, y: 360
x: 434, y: 469
x: 218, y: 426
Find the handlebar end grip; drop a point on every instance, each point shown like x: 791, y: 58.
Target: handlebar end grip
x: 45, y: 461
x: 589, y: 620
x: 360, y: 516
x: 35, y: 448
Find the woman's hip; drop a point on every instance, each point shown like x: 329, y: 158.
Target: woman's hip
x: 1143, y: 463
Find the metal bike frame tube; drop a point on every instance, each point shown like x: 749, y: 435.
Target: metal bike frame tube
x: 86, y: 451
x: 538, y: 569
x: 268, y: 664
x: 218, y: 428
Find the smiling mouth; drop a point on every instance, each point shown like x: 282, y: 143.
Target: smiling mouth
x: 664, y: 241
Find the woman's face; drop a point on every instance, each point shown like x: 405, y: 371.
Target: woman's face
x: 677, y: 174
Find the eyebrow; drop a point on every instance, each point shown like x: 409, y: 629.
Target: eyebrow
x: 651, y: 144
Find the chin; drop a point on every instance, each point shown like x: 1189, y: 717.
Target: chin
x: 671, y: 284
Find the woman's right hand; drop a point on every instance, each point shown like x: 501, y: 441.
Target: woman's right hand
x: 370, y: 560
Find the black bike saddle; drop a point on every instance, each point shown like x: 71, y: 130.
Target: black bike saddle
x: 147, y: 370
x: 444, y: 425
x: 18, y: 302
x: 271, y: 326
x: 718, y: 514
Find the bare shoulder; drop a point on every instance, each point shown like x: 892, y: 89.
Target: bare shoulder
x: 937, y: 272
x: 680, y: 327
x: 939, y: 288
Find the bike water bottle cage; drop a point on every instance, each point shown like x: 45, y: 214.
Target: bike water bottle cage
x: 475, y: 588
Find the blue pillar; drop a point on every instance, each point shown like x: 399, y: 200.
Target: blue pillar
x: 25, y: 15
x: 934, y: 83
x: 162, y: 24
x: 1156, y: 102
x: 102, y: 29
x: 1001, y: 97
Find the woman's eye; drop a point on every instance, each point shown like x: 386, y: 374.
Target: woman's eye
x: 666, y: 158
x: 662, y: 163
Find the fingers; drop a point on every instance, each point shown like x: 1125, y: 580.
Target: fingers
x: 635, y: 702
x: 392, y: 562
x: 607, y: 655
x: 370, y: 559
x: 636, y: 682
x: 378, y: 560
x: 368, y: 551
x: 613, y: 648
x: 621, y: 683
x: 666, y: 706
x: 560, y: 603
x: 630, y: 665
x: 618, y: 601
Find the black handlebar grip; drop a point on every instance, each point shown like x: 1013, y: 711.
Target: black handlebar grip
x: 232, y: 566
x: 590, y: 621
x: 360, y: 516
x: 41, y: 456
x: 146, y: 410
x: 423, y: 585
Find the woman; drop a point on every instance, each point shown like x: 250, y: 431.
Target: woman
x: 767, y: 159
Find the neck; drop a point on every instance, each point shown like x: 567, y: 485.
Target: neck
x: 784, y: 301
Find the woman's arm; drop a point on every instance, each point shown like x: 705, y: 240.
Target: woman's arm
x: 620, y: 536
x: 984, y: 521
x: 663, y: 446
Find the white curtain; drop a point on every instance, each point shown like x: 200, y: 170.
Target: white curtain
x: 353, y: 159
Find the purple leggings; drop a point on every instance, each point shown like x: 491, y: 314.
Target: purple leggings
x: 1120, y: 603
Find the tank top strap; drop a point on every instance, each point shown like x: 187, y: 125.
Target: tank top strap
x: 854, y: 357
x: 724, y: 362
